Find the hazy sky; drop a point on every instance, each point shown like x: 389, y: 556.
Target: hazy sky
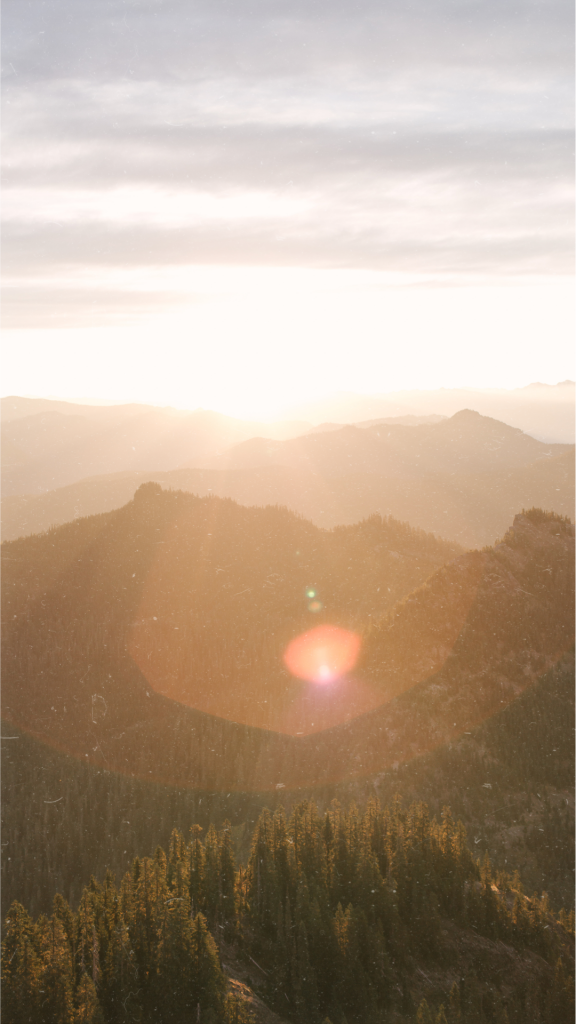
x: 240, y: 205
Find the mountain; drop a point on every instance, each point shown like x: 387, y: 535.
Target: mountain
x: 544, y: 410
x: 485, y: 473
x: 510, y: 779
x: 402, y: 421
x: 149, y: 642
x: 465, y: 443
x: 15, y: 407
x: 46, y: 444
x: 232, y: 581
x: 50, y: 444
x: 179, y: 605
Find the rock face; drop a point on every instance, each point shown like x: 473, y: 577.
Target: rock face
x: 81, y: 628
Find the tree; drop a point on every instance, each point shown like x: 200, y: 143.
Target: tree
x: 208, y: 981
x: 227, y: 877
x: 424, y: 1014
x: 236, y: 1011
x: 57, y: 980
x: 174, y: 982
x: 454, y: 1014
x: 21, y: 969
x: 88, y: 1009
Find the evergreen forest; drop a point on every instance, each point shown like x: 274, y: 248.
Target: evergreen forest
x: 374, y: 917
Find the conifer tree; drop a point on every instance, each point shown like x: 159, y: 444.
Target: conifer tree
x: 227, y: 877
x: 173, y: 981
x: 88, y: 1009
x: 208, y: 982
x: 212, y: 877
x: 454, y: 1014
x: 62, y: 910
x: 21, y: 969
x: 424, y: 1014
x: 196, y: 869
x: 57, y: 979
x: 236, y: 1011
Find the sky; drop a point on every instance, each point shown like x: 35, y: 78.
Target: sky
x: 244, y: 205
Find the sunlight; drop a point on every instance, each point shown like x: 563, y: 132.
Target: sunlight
x: 406, y: 335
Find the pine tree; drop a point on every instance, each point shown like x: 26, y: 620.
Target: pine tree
x: 21, y: 969
x: 424, y: 1014
x: 236, y: 1011
x: 62, y: 910
x: 57, y: 980
x: 87, y: 947
x: 208, y: 982
x: 227, y: 878
x: 454, y: 1014
x: 172, y: 984
x: 212, y: 876
x: 263, y: 887
x: 196, y: 866
x: 142, y: 916
x: 88, y: 1009
x: 120, y: 977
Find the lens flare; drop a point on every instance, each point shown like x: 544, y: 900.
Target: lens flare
x: 315, y: 606
x: 322, y: 654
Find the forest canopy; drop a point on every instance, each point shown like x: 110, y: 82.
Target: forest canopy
x: 342, y: 914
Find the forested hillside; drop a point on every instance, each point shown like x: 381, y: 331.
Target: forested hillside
x: 151, y: 641
x: 92, y: 751
x: 377, y: 917
x: 190, y: 599
x: 511, y: 780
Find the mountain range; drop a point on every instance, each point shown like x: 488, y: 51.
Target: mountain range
x: 50, y: 444
x: 463, y: 478
x: 544, y: 410
x: 148, y: 642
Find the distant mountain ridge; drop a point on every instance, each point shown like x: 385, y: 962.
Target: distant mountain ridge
x: 463, y: 479
x: 546, y: 411
x: 58, y: 443
x: 49, y: 444
x: 467, y: 442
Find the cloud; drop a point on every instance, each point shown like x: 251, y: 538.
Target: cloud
x: 424, y: 138
x: 182, y: 39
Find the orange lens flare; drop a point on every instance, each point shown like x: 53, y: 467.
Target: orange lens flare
x: 322, y: 654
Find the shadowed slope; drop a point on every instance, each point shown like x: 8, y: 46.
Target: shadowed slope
x: 457, y: 650
x: 203, y: 596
